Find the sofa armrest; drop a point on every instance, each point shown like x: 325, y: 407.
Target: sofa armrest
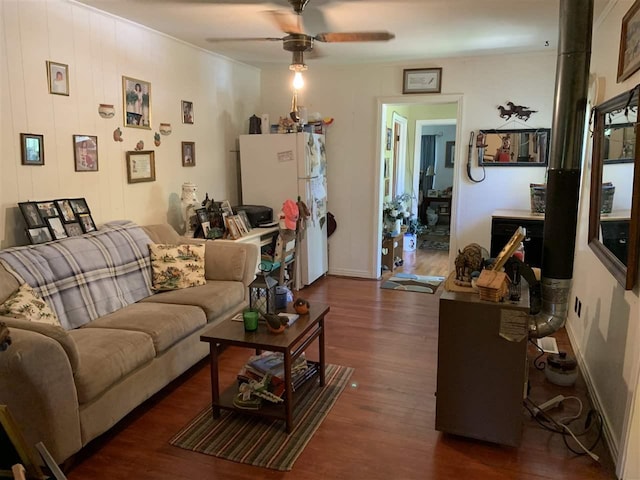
x: 54, y: 332
x: 36, y: 384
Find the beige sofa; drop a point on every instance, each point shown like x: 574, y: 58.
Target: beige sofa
x: 66, y: 387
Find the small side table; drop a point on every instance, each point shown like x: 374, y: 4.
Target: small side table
x: 394, y: 246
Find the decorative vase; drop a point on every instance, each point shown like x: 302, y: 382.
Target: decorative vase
x: 165, y: 128
x: 106, y: 110
x: 190, y: 203
x: 397, y: 226
x: 432, y: 217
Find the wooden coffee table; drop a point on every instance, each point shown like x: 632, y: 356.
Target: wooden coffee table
x: 292, y: 343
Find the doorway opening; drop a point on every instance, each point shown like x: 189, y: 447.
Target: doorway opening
x: 417, y: 162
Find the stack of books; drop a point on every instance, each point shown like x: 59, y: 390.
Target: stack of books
x: 272, y: 364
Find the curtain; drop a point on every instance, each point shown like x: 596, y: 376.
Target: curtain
x: 427, y: 159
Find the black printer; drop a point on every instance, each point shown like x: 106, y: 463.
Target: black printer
x: 258, y: 214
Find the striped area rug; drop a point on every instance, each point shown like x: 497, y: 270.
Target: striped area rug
x: 264, y: 442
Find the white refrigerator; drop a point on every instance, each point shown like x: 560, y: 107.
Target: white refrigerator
x: 277, y: 167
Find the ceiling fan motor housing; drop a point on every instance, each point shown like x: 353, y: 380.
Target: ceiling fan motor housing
x: 298, y: 5
x: 298, y: 42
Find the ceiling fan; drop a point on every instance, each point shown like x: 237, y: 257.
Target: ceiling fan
x: 298, y: 42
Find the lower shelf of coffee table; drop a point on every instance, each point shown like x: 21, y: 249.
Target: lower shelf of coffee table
x: 268, y: 409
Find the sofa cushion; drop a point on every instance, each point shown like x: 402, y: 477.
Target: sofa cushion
x: 215, y: 298
x: 162, y: 233
x: 176, y: 266
x: 26, y: 303
x: 106, y: 357
x: 165, y: 324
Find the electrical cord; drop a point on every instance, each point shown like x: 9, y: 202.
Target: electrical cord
x: 559, y: 426
x: 469, y: 157
x: 539, y: 364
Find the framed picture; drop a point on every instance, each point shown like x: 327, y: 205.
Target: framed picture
x: 232, y: 227
x: 431, y: 193
x: 245, y: 219
x: 64, y: 207
x: 31, y: 214
x: 56, y: 227
x: 242, y: 228
x: 629, y: 56
x: 421, y: 80
x: 389, y: 136
x: 449, y: 154
x: 86, y: 222
x: 188, y: 154
x: 32, y: 148
x: 225, y: 206
x: 141, y: 166
x: 136, y: 95
x: 58, y: 78
x: 79, y: 205
x: 73, y: 229
x: 187, y: 112
x: 15, y: 448
x: 39, y: 235
x: 47, y: 209
x: 85, y: 153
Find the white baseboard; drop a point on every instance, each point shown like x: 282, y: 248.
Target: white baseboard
x: 595, y: 398
x: 345, y: 272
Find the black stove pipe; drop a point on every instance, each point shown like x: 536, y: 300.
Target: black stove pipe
x: 563, y: 176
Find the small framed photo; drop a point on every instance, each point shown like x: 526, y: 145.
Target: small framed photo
x: 421, y: 80
x: 73, y: 229
x: 449, y: 154
x: 136, y: 95
x: 86, y: 222
x: 432, y: 193
x: 56, y: 227
x: 225, y: 207
x: 188, y: 154
x: 31, y: 214
x: 141, y: 166
x: 58, y: 77
x: 187, y: 112
x: 32, y: 148
x: 245, y: 218
x: 629, y: 55
x: 242, y: 228
x: 203, y: 215
x: 65, y: 209
x: 232, y: 227
x: 47, y: 209
x: 85, y: 153
x: 389, y: 136
x: 39, y: 235
x: 79, y: 205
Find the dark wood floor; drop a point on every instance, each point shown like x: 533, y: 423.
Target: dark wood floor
x: 382, y: 426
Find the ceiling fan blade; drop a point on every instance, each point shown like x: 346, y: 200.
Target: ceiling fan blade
x: 286, y: 21
x: 244, y: 39
x: 355, y: 37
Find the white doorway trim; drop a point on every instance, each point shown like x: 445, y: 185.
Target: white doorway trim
x: 417, y: 151
x: 383, y: 103
x: 400, y: 162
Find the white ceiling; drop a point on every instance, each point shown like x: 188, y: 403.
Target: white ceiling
x: 423, y: 28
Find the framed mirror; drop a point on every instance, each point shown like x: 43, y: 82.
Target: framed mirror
x: 615, y: 187
x: 512, y: 148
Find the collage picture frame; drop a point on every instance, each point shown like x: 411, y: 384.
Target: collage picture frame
x: 49, y: 220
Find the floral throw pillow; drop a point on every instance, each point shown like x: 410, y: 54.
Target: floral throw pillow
x: 25, y: 303
x: 177, y: 266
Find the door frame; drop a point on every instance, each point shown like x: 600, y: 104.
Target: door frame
x: 383, y: 103
x: 399, y: 125
x: 418, y: 148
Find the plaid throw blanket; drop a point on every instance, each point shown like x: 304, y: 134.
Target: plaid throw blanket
x: 85, y: 277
